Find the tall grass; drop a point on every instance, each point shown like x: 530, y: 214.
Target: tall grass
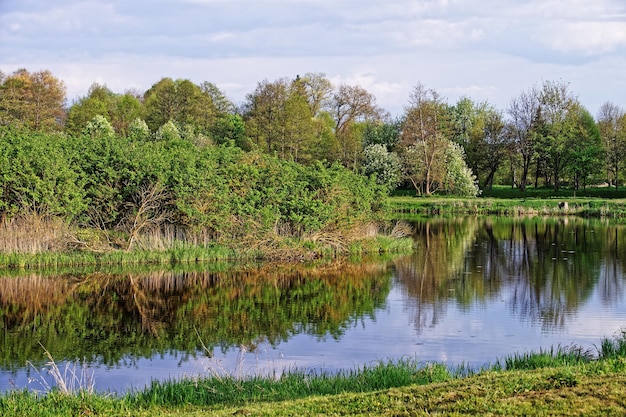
x: 72, y: 379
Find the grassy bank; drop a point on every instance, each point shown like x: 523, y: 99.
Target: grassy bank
x: 33, y: 241
x: 535, y: 206
x: 563, y: 381
x: 507, y: 201
x: 188, y: 254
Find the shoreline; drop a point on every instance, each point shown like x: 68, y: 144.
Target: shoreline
x: 565, y: 381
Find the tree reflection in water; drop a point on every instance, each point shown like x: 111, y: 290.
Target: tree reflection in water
x: 110, y: 317
x: 544, y: 268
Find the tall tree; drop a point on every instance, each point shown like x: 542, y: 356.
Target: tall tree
x: 496, y: 143
x: 424, y: 139
x: 558, y: 110
x: 523, y: 114
x: 265, y: 113
x: 612, y: 128
x: 319, y: 91
x: 585, y: 149
x: 351, y: 105
x: 33, y: 100
x: 97, y: 102
x: 279, y: 119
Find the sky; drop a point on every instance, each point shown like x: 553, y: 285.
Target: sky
x: 487, y: 50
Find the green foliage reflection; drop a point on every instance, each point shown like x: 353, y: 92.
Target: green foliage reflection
x: 110, y: 317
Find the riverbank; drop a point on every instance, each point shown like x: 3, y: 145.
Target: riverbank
x: 533, y: 206
x: 565, y: 381
x: 189, y: 254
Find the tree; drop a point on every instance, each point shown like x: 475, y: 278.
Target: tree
x: 279, y: 119
x: 32, y: 100
x: 382, y: 133
x: 264, y: 113
x: 424, y: 141
x: 480, y: 129
x: 558, y: 110
x: 318, y: 90
x: 496, y: 143
x: 585, y: 149
x: 138, y: 130
x: 459, y: 179
x: 119, y: 110
x: 182, y: 102
x: 351, y: 105
x: 523, y: 111
x: 97, y: 102
x: 299, y: 124
x: 99, y: 128
x: 612, y: 129
x: 384, y: 164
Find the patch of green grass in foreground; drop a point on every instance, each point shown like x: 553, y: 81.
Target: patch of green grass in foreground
x: 562, y: 381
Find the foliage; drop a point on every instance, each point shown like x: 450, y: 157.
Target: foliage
x: 32, y: 100
x: 385, y: 165
x: 459, y: 179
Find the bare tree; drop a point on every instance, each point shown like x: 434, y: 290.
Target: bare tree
x: 352, y: 104
x: 612, y: 126
x: 523, y: 110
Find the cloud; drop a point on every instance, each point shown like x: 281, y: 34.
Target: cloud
x: 489, y: 49
x: 588, y: 38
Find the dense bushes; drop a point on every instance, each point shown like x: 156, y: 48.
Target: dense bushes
x: 111, y: 183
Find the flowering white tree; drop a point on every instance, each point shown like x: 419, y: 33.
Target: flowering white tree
x: 385, y: 165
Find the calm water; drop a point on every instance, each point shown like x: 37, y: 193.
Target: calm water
x: 474, y: 290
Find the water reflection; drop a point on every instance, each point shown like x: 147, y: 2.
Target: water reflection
x: 544, y: 269
x: 106, y: 318
x: 474, y: 289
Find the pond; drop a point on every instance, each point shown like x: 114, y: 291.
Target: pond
x: 474, y: 290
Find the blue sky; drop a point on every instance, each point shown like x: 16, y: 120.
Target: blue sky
x: 485, y: 49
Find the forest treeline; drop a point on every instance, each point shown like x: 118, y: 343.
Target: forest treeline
x: 545, y: 137
x: 298, y: 156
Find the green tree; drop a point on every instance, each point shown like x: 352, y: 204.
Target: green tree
x: 97, y: 102
x: 138, y: 130
x: 385, y: 133
x: 119, y: 110
x: 459, y: 179
x: 279, y: 119
x: 182, y: 102
x: 586, y: 149
x: 496, y: 140
x: 558, y: 111
x: 265, y: 113
x: 38, y: 174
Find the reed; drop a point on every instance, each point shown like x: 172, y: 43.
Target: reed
x: 72, y: 379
